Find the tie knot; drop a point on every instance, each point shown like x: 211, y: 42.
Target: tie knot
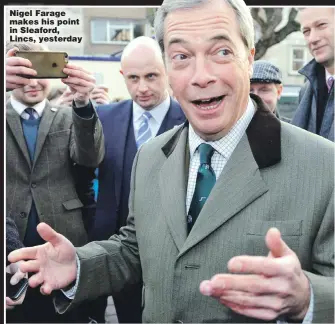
x: 30, y: 112
x: 206, y: 151
x: 146, y: 116
x: 330, y: 82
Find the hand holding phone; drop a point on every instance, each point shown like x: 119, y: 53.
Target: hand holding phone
x: 16, y: 66
x: 15, y: 293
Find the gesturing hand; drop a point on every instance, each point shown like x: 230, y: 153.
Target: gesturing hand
x: 54, y: 262
x: 263, y: 287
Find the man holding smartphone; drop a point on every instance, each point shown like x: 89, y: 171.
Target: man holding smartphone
x: 43, y: 141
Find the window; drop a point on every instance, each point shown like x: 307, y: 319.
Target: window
x: 115, y: 31
x: 298, y: 58
x: 99, y: 78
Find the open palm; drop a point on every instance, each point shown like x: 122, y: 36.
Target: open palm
x: 54, y: 263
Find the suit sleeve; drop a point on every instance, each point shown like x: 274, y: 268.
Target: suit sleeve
x: 106, y: 267
x: 87, y: 146
x: 322, y: 278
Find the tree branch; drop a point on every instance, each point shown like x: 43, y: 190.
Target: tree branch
x: 264, y: 43
x: 255, y: 15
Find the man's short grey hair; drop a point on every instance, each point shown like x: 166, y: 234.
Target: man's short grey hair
x: 243, y: 15
x: 25, y: 46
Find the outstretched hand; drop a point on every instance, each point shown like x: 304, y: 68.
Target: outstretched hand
x: 54, y: 262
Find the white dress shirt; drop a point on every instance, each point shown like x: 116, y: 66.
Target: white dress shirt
x: 223, y: 147
x: 158, y: 114
x: 20, y: 107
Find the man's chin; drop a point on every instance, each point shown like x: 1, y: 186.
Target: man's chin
x: 325, y: 60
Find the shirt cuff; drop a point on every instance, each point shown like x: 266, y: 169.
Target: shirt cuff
x: 86, y: 112
x: 309, y: 315
x: 70, y: 293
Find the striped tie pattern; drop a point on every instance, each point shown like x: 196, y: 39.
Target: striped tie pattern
x: 144, y: 132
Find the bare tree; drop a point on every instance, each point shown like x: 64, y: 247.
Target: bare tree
x: 267, y: 21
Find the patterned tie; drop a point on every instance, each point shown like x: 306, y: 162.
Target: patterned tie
x: 330, y: 83
x: 205, y: 182
x: 30, y: 112
x: 144, y: 132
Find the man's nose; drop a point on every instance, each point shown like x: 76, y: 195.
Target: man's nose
x: 203, y: 73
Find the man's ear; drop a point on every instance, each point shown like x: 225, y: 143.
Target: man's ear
x: 279, y: 90
x: 251, y: 58
x: 121, y: 72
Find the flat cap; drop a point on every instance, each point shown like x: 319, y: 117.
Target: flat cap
x: 265, y: 72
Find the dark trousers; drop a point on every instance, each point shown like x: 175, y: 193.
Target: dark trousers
x: 128, y: 304
x: 37, y: 308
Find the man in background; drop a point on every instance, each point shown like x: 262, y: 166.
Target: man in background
x: 315, y: 112
x: 266, y: 82
x: 43, y: 141
x: 127, y: 125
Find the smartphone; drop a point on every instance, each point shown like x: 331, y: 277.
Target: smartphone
x: 14, y: 292
x: 48, y: 65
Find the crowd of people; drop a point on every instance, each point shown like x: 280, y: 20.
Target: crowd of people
x: 209, y: 205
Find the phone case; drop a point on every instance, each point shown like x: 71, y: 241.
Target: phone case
x: 14, y: 292
x: 48, y: 65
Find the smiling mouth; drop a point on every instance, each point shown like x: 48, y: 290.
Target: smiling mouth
x: 208, y: 104
x: 318, y: 48
x: 32, y: 91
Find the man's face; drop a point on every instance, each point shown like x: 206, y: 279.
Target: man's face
x: 269, y: 92
x: 318, y: 28
x: 208, y: 67
x: 145, y: 78
x: 34, y: 93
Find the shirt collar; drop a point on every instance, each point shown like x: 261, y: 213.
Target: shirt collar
x: 233, y: 136
x: 158, y: 113
x: 19, y: 107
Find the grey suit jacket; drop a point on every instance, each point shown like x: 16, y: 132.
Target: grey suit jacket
x: 63, y: 138
x: 278, y: 176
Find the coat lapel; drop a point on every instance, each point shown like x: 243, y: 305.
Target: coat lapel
x: 44, y: 128
x: 172, y: 182
x: 239, y: 184
x: 14, y: 122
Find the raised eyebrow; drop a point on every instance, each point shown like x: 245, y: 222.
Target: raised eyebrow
x: 215, y: 38
x: 176, y: 41
x: 220, y: 38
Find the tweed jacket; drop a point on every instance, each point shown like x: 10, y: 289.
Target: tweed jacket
x: 63, y: 138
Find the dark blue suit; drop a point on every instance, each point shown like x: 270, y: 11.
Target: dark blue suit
x: 114, y: 185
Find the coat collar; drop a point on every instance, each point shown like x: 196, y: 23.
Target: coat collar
x: 263, y: 135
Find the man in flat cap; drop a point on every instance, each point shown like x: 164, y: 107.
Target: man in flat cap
x: 266, y: 82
